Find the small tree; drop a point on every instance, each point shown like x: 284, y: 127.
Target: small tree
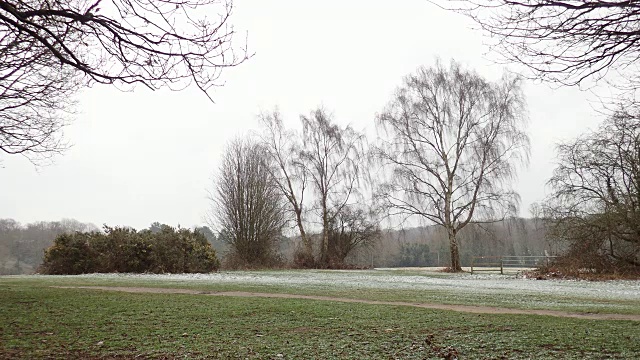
x: 450, y: 141
x: 595, y: 205
x: 247, y: 203
x: 350, y: 230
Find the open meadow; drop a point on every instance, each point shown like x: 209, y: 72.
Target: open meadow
x: 296, y: 314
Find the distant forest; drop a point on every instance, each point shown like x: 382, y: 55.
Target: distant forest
x: 22, y: 245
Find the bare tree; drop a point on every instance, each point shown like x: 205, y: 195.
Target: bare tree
x: 332, y: 157
x: 247, y: 204
x: 595, y: 204
x: 51, y: 48
x: 451, y: 141
x: 565, y: 41
x: 289, y: 174
x: 353, y: 228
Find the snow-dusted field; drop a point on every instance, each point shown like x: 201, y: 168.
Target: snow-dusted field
x: 465, y: 285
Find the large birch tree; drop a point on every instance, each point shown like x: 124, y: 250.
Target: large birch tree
x: 450, y: 141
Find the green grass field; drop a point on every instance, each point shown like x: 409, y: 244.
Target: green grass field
x: 38, y: 321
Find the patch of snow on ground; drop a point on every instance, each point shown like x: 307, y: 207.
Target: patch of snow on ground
x: 373, y: 279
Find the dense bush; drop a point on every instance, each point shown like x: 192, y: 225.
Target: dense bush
x: 127, y: 250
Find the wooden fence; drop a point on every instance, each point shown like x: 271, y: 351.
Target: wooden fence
x: 504, y: 263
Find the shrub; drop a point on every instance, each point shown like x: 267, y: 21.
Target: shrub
x: 71, y: 254
x: 122, y: 249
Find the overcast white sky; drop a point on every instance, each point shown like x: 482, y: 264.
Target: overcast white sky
x: 145, y: 156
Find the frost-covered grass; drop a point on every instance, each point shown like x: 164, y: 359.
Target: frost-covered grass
x: 41, y: 322
x: 621, y: 296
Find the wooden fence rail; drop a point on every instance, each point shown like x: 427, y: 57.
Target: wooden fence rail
x: 500, y: 263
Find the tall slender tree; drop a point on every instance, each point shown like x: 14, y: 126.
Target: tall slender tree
x: 333, y: 159
x: 289, y: 175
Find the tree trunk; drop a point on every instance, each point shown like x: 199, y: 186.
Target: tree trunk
x: 303, y: 234
x: 308, y: 248
x: 324, y: 251
x: 324, y: 255
x: 308, y: 260
x: 455, y: 254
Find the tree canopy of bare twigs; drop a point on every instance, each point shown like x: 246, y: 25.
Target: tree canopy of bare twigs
x: 352, y: 228
x: 48, y: 49
x: 35, y: 101
x: 595, y: 204
x: 565, y: 41
x: 451, y: 142
x: 328, y: 159
x: 282, y: 150
x: 333, y: 159
x: 247, y: 204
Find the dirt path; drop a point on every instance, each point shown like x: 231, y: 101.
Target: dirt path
x: 460, y: 308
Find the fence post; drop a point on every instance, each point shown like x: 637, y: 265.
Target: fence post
x: 501, y: 266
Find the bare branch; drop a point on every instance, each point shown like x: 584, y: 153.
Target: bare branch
x: 566, y: 41
x: 50, y: 49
